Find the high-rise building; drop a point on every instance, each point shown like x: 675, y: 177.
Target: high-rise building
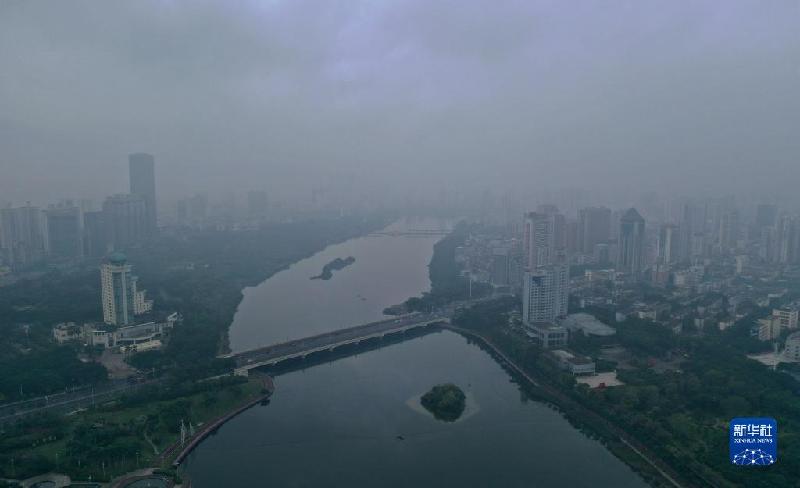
x: 594, y: 227
x: 501, y: 266
x: 193, y: 210
x: 545, y: 293
x: 728, y: 235
x: 782, y: 241
x: 125, y: 220
x: 122, y: 301
x: 668, y: 244
x: 631, y: 242
x: 544, y: 234
x: 23, y: 231
x: 95, y: 235
x: 141, y: 167
x: 766, y: 215
x: 64, y: 232
x: 686, y: 234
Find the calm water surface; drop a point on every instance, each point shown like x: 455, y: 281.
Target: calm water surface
x: 290, y: 305
x: 348, y: 423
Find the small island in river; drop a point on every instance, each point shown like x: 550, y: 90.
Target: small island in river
x: 335, y: 265
x: 446, y: 402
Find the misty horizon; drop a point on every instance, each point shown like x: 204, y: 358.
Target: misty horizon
x: 400, y: 99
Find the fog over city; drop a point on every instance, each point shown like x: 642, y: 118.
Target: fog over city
x: 403, y: 244
x: 399, y: 97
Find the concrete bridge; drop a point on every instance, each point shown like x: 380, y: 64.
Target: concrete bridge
x: 329, y: 341
x: 413, y: 233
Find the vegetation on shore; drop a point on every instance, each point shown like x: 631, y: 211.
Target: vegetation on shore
x: 335, y: 265
x: 446, y: 402
x: 447, y: 282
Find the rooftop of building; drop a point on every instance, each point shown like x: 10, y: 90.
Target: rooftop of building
x: 117, y: 258
x: 588, y: 324
x: 545, y: 326
x: 570, y: 357
x: 632, y: 215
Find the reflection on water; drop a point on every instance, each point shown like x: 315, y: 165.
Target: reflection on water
x: 387, y: 270
x: 348, y: 423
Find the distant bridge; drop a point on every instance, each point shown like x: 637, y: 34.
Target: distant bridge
x: 329, y: 341
x: 413, y: 233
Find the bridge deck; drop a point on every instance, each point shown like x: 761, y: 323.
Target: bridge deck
x: 328, y: 340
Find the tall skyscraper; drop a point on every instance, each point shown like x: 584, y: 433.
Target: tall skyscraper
x: 125, y: 219
x: 631, y: 242
x: 594, y: 227
x: 122, y: 301
x: 545, y: 293
x: 668, y: 244
x: 501, y: 265
x: 64, y: 232
x: 24, y: 236
x: 728, y: 235
x: 141, y: 167
x: 544, y: 234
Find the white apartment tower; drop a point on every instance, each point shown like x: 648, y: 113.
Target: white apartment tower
x: 122, y: 302
x: 545, y: 294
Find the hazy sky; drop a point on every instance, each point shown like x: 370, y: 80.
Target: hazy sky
x: 282, y: 95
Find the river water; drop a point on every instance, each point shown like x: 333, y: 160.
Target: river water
x: 353, y: 422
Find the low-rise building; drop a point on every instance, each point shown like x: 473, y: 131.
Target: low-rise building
x: 111, y: 336
x: 792, y: 350
x: 588, y: 325
x: 573, y: 363
x: 547, y: 335
x: 768, y: 329
x: 786, y: 316
x: 67, y: 332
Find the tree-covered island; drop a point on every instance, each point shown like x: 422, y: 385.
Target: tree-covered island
x: 446, y: 402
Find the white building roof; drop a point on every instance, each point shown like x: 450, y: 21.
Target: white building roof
x: 588, y: 324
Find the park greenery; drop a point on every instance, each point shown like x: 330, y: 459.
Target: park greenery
x: 446, y: 402
x: 118, y: 436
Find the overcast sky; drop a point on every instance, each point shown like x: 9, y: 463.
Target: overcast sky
x: 282, y: 95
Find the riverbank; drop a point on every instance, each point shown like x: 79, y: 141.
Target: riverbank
x: 184, y: 449
x: 615, y: 439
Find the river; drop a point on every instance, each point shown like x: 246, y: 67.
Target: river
x: 353, y: 422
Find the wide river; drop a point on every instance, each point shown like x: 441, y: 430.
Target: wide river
x: 355, y: 422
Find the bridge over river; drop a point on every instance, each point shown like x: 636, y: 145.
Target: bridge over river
x: 329, y: 341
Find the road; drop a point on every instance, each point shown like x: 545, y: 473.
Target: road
x: 331, y: 339
x: 70, y: 400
